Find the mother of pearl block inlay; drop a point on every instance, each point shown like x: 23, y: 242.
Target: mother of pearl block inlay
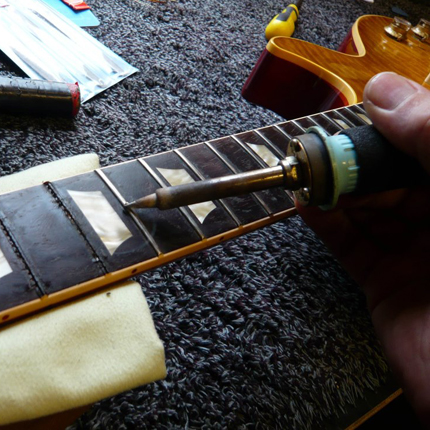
x: 5, y: 268
x: 265, y: 153
x: 181, y: 176
x: 342, y: 123
x: 102, y: 217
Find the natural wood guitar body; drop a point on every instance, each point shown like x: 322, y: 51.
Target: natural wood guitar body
x: 296, y: 78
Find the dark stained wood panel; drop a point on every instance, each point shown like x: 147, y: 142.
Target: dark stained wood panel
x: 58, y: 255
x: 170, y: 229
x: 16, y: 287
x: 276, y: 199
x: 133, y: 250
x: 218, y: 220
x: 246, y: 207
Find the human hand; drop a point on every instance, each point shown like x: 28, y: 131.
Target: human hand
x: 383, y: 240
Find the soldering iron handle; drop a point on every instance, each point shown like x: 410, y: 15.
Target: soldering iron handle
x: 382, y: 166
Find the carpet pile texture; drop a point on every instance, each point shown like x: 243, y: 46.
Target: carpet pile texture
x: 266, y: 331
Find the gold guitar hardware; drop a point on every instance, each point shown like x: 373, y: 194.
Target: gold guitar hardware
x: 398, y: 28
x: 422, y: 30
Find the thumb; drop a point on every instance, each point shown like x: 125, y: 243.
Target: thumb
x: 400, y: 110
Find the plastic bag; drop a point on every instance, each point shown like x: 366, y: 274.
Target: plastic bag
x: 46, y: 45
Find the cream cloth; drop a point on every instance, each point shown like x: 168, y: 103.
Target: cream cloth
x: 81, y: 352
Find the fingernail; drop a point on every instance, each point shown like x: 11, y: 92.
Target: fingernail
x: 388, y: 90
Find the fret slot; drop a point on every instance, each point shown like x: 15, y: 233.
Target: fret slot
x: 328, y: 124
x: 255, y: 143
x: 246, y: 208
x: 352, y: 117
x: 276, y: 138
x: 306, y: 122
x: 170, y: 229
x: 359, y: 111
x: 276, y: 199
x: 16, y: 284
x: 108, y: 228
x: 339, y: 119
x: 290, y: 129
x: 58, y: 255
x: 212, y: 217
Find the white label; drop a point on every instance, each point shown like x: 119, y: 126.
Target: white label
x: 103, y: 219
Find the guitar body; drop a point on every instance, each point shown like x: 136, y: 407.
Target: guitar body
x: 295, y: 78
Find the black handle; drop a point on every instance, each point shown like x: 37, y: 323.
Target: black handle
x: 383, y: 167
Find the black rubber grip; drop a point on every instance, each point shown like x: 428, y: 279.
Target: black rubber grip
x: 382, y: 167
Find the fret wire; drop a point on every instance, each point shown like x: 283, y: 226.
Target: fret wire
x: 7, y: 229
x: 197, y: 172
x: 360, y: 108
x: 133, y: 215
x: 255, y: 157
x: 332, y: 121
x: 344, y: 118
x: 234, y: 170
x: 51, y: 188
x: 361, y: 120
x: 269, y: 143
x: 282, y: 131
x: 249, y: 151
x: 310, y: 118
x: 361, y: 111
x: 298, y: 125
x: 184, y: 212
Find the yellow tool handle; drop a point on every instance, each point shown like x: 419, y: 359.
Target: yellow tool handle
x: 283, y: 24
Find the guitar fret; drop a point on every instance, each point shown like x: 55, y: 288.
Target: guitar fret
x: 210, y: 216
x: 54, y: 250
x: 184, y: 212
x: 135, y: 218
x: 133, y: 181
x: 250, y: 152
x: 58, y: 246
x: 17, y: 285
x: 276, y: 138
x: 339, y: 119
x: 306, y: 122
x: 290, y: 129
x: 275, y: 199
x: 353, y: 118
x: 328, y: 124
x: 359, y: 111
x: 201, y: 177
x: 96, y: 258
x: 236, y: 170
x: 246, y: 208
x: 302, y: 130
x: 108, y: 228
x: 258, y: 145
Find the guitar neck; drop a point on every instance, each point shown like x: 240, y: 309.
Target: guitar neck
x: 69, y: 237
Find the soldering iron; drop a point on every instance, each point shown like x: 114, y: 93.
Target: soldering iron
x: 318, y: 168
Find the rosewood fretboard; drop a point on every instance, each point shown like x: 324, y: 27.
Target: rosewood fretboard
x: 49, y: 251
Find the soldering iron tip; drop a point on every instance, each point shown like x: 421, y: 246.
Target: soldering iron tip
x: 149, y: 201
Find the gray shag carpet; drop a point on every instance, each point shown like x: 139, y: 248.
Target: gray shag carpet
x: 266, y: 331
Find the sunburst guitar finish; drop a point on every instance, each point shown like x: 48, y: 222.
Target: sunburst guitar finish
x: 295, y: 78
